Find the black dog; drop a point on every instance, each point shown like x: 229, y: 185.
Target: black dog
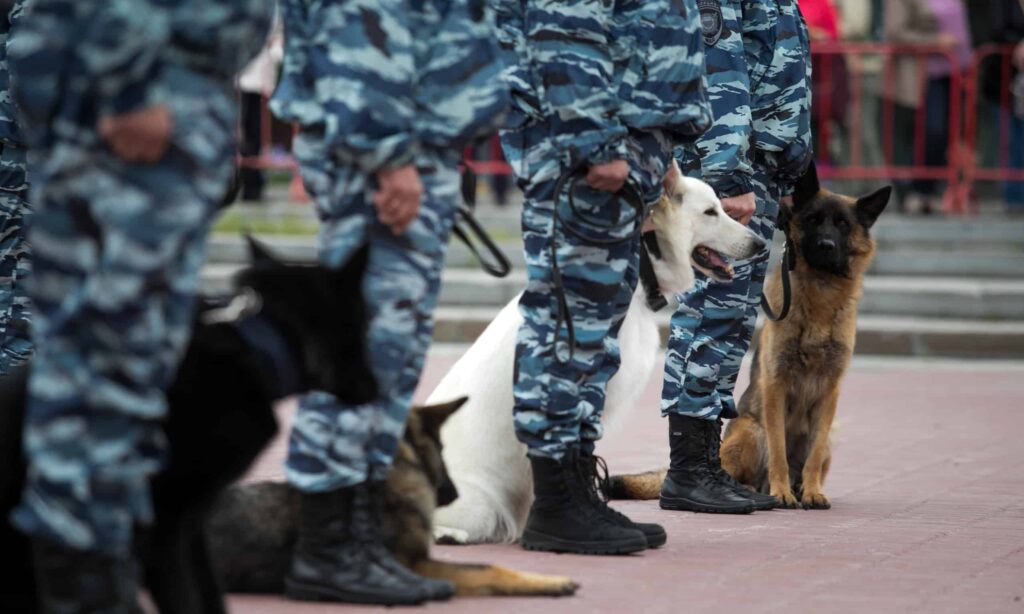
x: 293, y: 328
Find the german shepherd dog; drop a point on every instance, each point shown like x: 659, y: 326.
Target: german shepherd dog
x: 293, y: 328
x: 779, y: 444
x: 254, y: 527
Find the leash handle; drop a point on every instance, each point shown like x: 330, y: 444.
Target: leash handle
x: 572, y: 178
x: 466, y: 225
x: 788, y: 264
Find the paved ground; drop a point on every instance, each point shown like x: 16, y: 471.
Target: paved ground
x: 927, y: 489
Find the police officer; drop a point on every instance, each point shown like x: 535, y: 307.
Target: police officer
x: 386, y: 94
x: 15, y: 346
x: 758, y: 67
x: 130, y: 119
x: 600, y: 92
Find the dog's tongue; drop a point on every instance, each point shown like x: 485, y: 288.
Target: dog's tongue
x: 716, y: 260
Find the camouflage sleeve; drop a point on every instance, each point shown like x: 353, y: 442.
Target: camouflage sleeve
x: 723, y: 149
x: 119, y: 45
x: 361, y: 63
x: 666, y: 90
x: 459, y: 91
x: 782, y: 109
x: 570, y: 50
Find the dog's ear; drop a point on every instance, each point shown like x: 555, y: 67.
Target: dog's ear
x: 671, y: 181
x: 806, y: 188
x: 433, y: 417
x: 259, y: 253
x: 871, y: 206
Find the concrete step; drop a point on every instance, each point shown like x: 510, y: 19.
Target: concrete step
x: 876, y: 335
x: 933, y: 297
x: 947, y: 263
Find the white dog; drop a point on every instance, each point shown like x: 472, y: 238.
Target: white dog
x: 484, y: 458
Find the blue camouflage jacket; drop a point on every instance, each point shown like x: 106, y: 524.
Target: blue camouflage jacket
x: 75, y: 60
x: 757, y: 57
x: 382, y: 80
x: 13, y: 173
x: 594, y: 69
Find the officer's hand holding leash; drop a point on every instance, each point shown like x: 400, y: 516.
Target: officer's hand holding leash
x: 740, y: 208
x: 398, y: 197
x: 608, y: 177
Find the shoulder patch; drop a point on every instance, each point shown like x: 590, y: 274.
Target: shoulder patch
x: 711, y: 21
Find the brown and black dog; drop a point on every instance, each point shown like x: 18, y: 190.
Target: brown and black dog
x: 253, y: 527
x: 779, y: 444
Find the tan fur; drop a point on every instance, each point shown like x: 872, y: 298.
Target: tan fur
x: 780, y: 442
x: 408, y: 523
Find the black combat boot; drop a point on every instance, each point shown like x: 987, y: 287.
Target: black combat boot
x: 339, y: 557
x: 69, y: 580
x: 761, y: 501
x: 691, y: 483
x: 437, y: 590
x: 563, y: 518
x: 595, y: 477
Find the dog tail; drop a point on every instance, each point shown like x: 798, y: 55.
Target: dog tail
x: 642, y: 486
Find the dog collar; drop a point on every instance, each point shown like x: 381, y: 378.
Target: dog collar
x: 656, y: 301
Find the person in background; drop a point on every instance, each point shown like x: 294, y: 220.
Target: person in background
x: 830, y: 80
x: 255, y: 85
x: 936, y: 22
x: 130, y: 122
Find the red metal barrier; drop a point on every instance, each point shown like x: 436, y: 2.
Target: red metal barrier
x: 960, y: 171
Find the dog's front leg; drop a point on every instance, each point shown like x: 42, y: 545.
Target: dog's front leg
x: 775, y: 432
x: 818, y: 457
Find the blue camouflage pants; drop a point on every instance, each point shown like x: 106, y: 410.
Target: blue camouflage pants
x: 558, y: 404
x: 711, y: 328
x: 117, y: 250
x: 15, y: 346
x: 333, y: 445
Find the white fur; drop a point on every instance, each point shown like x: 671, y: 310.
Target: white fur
x: 483, y: 456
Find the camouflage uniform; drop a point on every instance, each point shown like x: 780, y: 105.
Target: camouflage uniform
x: 592, y: 82
x: 15, y: 346
x: 117, y: 247
x: 378, y: 85
x: 758, y: 84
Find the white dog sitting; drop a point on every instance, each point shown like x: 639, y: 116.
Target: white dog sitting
x: 484, y: 458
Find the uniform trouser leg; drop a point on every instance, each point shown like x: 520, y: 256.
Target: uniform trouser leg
x: 710, y: 330
x: 117, y: 250
x: 15, y: 345
x: 333, y: 445
x: 558, y: 398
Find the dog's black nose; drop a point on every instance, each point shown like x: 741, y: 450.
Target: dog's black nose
x: 826, y: 245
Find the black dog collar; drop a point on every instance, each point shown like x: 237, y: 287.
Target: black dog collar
x: 656, y: 301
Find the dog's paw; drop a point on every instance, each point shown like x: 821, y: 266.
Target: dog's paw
x: 815, y: 501
x: 449, y: 536
x: 786, y: 498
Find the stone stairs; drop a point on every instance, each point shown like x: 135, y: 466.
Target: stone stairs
x: 938, y: 287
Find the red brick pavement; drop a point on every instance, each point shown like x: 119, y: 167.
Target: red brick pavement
x: 927, y: 487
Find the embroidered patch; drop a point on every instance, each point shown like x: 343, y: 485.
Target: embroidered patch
x: 711, y: 22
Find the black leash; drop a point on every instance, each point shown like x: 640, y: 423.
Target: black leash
x: 467, y: 227
x: 788, y: 264
x: 571, y: 179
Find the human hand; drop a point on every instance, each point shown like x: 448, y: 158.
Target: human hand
x: 1018, y: 55
x: 740, y: 208
x: 947, y: 40
x: 608, y: 177
x: 398, y: 197
x: 138, y: 136
x: 787, y: 201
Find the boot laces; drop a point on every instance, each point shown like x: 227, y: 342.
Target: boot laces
x: 594, y: 473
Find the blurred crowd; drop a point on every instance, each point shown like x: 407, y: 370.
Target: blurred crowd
x: 916, y: 88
